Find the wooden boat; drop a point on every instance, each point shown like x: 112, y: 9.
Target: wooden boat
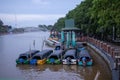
x: 55, y: 57
x: 70, y: 57
x: 84, y: 58
x: 40, y: 58
x: 25, y: 57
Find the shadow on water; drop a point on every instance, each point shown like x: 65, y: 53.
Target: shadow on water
x: 12, y: 45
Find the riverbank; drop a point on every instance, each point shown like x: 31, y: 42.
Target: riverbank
x: 109, y: 52
x: 109, y: 61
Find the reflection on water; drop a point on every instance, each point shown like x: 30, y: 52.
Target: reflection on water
x: 12, y: 45
x: 51, y: 72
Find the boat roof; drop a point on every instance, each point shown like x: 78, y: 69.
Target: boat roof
x: 58, y: 44
x: 56, y: 53
x: 84, y: 53
x: 71, y: 52
x: 41, y: 53
x: 29, y: 52
x: 58, y: 47
x: 79, y: 44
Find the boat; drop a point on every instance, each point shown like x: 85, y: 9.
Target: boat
x: 56, y: 56
x: 41, y: 57
x: 54, y: 38
x: 84, y: 58
x: 80, y: 46
x: 70, y: 57
x: 51, y: 43
x: 25, y: 57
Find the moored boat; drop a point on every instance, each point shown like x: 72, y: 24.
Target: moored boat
x: 70, y: 57
x: 55, y: 57
x: 84, y: 58
x: 40, y: 58
x: 25, y: 57
x: 51, y: 43
x: 80, y: 46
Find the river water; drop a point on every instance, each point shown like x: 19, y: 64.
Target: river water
x: 14, y: 44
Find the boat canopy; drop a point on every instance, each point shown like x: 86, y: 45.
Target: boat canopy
x: 70, y: 53
x: 43, y: 54
x: 28, y: 54
x: 79, y: 45
x: 84, y: 53
x: 56, y: 54
x: 58, y: 47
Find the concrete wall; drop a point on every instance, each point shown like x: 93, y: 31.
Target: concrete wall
x: 107, y: 52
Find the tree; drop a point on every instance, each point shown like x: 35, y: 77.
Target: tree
x: 95, y: 17
x: 1, y: 23
x: 59, y: 24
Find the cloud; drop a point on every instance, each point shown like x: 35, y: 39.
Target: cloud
x: 28, y: 18
x: 41, y: 2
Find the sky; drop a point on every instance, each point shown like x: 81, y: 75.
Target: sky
x: 31, y: 13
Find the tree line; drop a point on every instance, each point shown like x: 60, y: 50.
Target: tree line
x: 98, y: 18
x: 4, y: 29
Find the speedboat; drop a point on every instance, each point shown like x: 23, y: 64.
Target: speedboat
x: 24, y: 58
x: 84, y: 58
x: 41, y: 57
x: 70, y: 57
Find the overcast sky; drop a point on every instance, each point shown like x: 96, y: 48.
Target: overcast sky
x: 26, y: 13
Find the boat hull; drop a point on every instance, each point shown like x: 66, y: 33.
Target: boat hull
x: 53, y: 61
x: 89, y: 63
x: 41, y: 62
x: 22, y: 61
x: 73, y: 61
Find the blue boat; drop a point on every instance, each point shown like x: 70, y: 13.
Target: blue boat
x: 84, y: 58
x: 25, y: 57
x: 80, y: 46
x: 41, y: 57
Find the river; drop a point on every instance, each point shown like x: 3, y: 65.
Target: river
x: 14, y: 44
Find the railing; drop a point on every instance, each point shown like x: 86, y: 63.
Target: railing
x: 109, y: 49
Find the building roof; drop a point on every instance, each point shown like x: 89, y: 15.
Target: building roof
x: 70, y: 29
x: 69, y: 25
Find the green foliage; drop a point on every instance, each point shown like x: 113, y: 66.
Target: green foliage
x: 95, y: 17
x: 59, y: 24
x: 1, y: 23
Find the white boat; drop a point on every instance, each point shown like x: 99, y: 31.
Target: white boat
x: 70, y: 57
x: 51, y: 43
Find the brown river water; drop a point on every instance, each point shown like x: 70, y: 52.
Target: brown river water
x: 12, y: 45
